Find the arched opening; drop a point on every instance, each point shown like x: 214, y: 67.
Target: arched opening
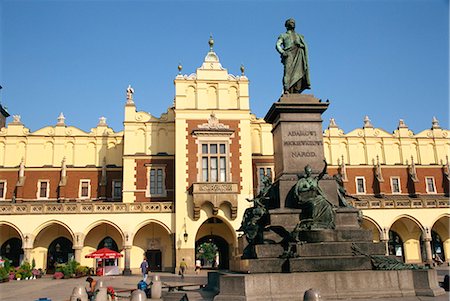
x: 59, y: 251
x: 213, y: 252
x: 408, y: 231
x: 104, y: 235
x: 440, y: 239
x: 214, y: 234
x: 396, y: 245
x: 11, y: 244
x: 154, y: 242
x: 108, y: 242
x: 12, y: 250
x: 437, y: 247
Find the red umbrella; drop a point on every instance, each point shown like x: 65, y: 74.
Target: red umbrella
x: 104, y: 253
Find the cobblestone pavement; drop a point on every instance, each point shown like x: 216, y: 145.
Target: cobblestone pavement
x: 60, y: 290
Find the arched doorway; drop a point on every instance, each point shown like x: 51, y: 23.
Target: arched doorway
x: 59, y: 251
x: 216, y: 232
x: 12, y: 249
x: 153, y: 241
x: 213, y: 251
x: 405, y: 240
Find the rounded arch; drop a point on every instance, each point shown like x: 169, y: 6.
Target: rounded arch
x: 11, y: 225
x: 153, y: 239
x: 101, y: 222
x: 147, y: 222
x: 410, y: 231
x: 49, y: 223
x: 217, y: 230
x: 370, y: 224
x: 440, y: 238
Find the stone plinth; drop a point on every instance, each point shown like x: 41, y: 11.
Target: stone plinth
x: 297, y: 138
x: 331, y: 285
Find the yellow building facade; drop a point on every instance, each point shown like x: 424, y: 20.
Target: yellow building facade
x: 164, y: 185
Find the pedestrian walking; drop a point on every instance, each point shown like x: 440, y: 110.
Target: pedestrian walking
x: 144, y: 269
x: 183, y: 268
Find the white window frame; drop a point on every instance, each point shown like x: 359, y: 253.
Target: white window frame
x: 258, y: 176
x: 399, y: 185
x: 364, y: 185
x: 434, y: 185
x: 227, y: 155
x: 156, y: 167
x: 80, y: 189
x: 3, y: 196
x: 38, y: 195
x: 115, y: 197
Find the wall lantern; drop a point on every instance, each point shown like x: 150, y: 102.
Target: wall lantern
x: 185, y: 236
x: 8, y: 248
x: 58, y: 248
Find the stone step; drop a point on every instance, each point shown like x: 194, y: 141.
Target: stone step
x: 321, y: 249
x: 337, y: 235
x: 330, y: 263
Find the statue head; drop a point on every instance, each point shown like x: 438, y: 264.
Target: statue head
x: 308, y: 170
x: 289, y: 24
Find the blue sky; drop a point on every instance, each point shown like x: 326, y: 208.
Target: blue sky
x: 386, y: 59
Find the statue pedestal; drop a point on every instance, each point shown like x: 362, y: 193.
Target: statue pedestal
x: 297, y: 138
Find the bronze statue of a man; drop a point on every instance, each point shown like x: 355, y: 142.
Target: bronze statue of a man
x: 294, y: 56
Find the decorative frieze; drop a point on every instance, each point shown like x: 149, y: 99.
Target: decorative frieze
x: 216, y: 194
x: 85, y: 208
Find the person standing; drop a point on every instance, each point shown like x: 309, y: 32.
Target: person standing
x: 144, y: 269
x: 90, y: 290
x: 183, y: 267
x: 294, y: 56
x: 198, y: 266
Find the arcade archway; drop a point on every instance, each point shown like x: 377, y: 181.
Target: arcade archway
x: 216, y: 232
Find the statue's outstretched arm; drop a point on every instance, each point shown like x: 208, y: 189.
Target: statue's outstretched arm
x: 324, y: 171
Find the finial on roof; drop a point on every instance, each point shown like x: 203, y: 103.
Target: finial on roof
x: 402, y: 124
x: 435, y: 123
x: 367, y: 123
x: 332, y: 123
x: 130, y: 92
x: 101, y: 121
x: 61, y: 119
x: 242, y: 69
x: 16, y: 119
x: 211, y: 43
x: 180, y: 67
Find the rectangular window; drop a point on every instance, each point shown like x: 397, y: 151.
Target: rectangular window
x: 261, y: 172
x: 360, y: 185
x: 431, y: 187
x: 85, y: 189
x: 214, y: 162
x: 2, y: 190
x: 157, y: 186
x: 43, y: 189
x: 395, y: 185
x: 117, y: 189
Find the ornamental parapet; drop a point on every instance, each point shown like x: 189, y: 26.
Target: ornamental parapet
x: 85, y: 208
x: 401, y: 202
x: 215, y: 194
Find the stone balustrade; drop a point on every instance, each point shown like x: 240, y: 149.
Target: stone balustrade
x: 85, y: 208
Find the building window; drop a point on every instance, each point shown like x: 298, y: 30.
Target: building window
x: 2, y: 190
x: 360, y: 185
x: 157, y: 179
x: 395, y: 185
x: 43, y: 189
x: 85, y: 189
x: 214, y: 162
x: 117, y: 189
x: 431, y: 187
x: 264, y: 170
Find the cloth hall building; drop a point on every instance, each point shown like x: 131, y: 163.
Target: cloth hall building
x: 166, y: 184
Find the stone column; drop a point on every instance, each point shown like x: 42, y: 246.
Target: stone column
x: 385, y: 238
x: 429, y: 259
x: 27, y: 254
x: 77, y: 250
x: 127, y: 270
